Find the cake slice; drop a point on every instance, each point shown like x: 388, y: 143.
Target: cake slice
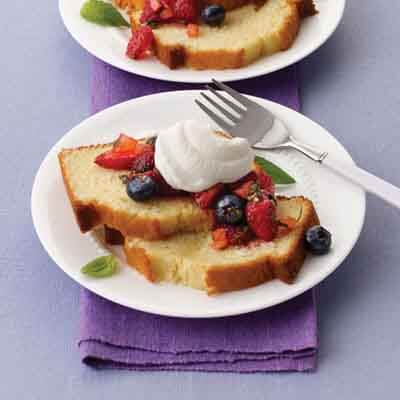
x: 249, y: 32
x: 98, y: 197
x: 190, y: 259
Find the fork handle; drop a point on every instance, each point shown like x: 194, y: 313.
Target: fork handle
x: 371, y: 183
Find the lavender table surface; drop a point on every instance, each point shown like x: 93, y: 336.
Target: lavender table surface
x: 351, y: 86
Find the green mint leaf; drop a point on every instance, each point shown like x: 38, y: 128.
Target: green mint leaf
x: 102, y: 13
x: 278, y: 175
x: 101, y: 267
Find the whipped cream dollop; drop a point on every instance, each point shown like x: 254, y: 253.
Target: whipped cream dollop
x: 192, y: 156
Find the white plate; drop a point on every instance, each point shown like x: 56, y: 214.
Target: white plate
x: 341, y: 207
x: 109, y: 45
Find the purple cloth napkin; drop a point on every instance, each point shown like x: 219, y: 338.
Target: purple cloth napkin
x: 282, y: 338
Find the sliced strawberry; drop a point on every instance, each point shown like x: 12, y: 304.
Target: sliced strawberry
x: 220, y: 239
x: 166, y: 14
x: 246, y: 190
x: 261, y: 218
x: 251, y: 176
x: 206, y: 198
x: 141, y: 43
x: 143, y: 162
x: 115, y: 160
x: 155, y: 5
x: 168, y: 4
x: 143, y: 148
x: 265, y: 181
x: 193, y: 30
x: 229, y: 235
x: 125, y: 144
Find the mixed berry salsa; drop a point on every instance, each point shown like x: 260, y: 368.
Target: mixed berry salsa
x: 244, y: 211
x: 181, y: 12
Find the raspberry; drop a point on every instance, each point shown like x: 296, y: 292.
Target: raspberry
x: 261, y: 218
x: 169, y: 11
x: 185, y: 10
x: 140, y: 43
x: 148, y: 13
x: 143, y: 162
x: 157, y: 11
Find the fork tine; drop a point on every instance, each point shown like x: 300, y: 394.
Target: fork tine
x: 218, y: 120
x: 244, y: 101
x: 221, y: 109
x: 234, y: 107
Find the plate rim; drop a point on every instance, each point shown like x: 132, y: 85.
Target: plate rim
x: 242, y: 73
x: 296, y: 290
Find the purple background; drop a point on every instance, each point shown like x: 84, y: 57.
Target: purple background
x: 351, y: 86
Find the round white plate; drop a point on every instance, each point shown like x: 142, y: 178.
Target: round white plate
x: 109, y: 45
x: 340, y: 205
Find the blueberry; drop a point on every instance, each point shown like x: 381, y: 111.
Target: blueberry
x: 318, y: 240
x: 141, y: 188
x: 213, y: 15
x: 230, y: 210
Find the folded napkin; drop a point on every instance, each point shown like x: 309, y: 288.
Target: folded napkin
x: 281, y: 338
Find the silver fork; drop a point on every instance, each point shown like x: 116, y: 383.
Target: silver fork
x: 245, y: 118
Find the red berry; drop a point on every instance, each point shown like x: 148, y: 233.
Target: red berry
x: 115, y: 160
x: 261, y: 218
x: 229, y: 235
x: 157, y: 11
x: 155, y: 5
x: 125, y: 144
x: 166, y: 15
x: 169, y: 11
x: 141, y: 43
x: 148, y: 13
x: 168, y: 3
x: 163, y: 188
x: 246, y: 189
x: 220, y: 239
x: 143, y: 162
x: 251, y: 176
x: 265, y: 181
x: 185, y: 10
x: 193, y: 30
x: 206, y: 198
